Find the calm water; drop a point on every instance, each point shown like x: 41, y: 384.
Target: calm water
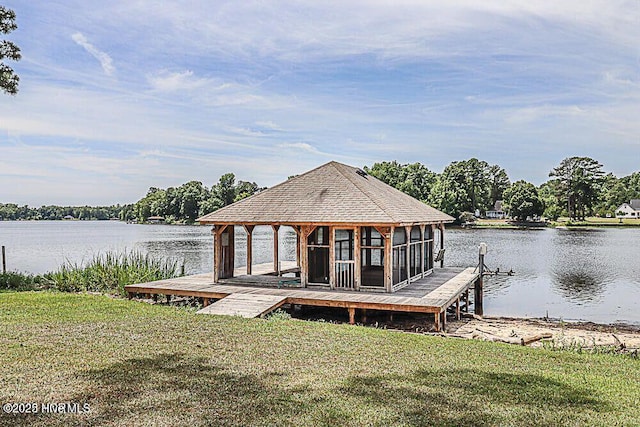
x: 575, y: 275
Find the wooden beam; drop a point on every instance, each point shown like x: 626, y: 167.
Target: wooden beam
x: 298, y: 239
x: 423, y: 248
x: 304, y: 257
x: 276, y: 266
x: 444, y: 320
x: 407, y: 236
x: 217, y: 253
x: 332, y: 257
x: 249, y: 230
x: 357, y: 258
x: 432, y: 246
x: 388, y: 261
x: 442, y: 243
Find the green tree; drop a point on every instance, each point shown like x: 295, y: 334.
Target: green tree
x: 579, y: 182
x: 552, y: 208
x: 192, y: 194
x: 450, y: 192
x: 245, y: 189
x: 468, y: 186
x: 8, y: 50
x: 521, y: 200
x: 413, y: 179
x: 498, y: 183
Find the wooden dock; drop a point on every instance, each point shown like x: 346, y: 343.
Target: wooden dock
x: 444, y: 288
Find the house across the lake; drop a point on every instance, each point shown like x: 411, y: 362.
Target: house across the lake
x: 497, y: 212
x: 629, y: 210
x: 354, y: 232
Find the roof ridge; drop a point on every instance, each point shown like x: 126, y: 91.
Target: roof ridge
x: 222, y: 209
x: 363, y: 191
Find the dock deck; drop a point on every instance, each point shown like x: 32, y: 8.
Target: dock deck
x: 433, y: 294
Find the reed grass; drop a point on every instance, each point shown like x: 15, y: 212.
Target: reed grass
x: 107, y: 273
x: 111, y: 272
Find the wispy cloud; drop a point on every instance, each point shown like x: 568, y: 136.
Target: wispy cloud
x: 265, y: 90
x: 105, y: 60
x: 166, y: 81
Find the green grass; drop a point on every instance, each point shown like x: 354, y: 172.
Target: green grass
x: 597, y: 221
x: 138, y: 364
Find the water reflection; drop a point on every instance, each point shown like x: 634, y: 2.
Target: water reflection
x: 580, y: 286
x: 579, y: 269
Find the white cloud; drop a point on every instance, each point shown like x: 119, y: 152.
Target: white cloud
x: 303, y: 146
x: 268, y: 124
x: 166, y: 81
x: 105, y: 60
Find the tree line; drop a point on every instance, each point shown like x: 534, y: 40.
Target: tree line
x: 190, y: 200
x: 577, y: 188
x: 12, y: 211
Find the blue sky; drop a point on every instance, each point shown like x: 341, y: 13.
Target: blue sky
x: 119, y: 96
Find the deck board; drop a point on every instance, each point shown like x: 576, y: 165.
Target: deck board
x: 244, y: 305
x: 431, y: 294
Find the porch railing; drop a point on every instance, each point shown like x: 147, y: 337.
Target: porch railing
x: 345, y: 274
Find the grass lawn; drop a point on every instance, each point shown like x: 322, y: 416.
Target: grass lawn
x: 626, y: 222
x: 137, y: 364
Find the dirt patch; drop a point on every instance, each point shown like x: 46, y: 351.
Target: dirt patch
x: 585, y: 335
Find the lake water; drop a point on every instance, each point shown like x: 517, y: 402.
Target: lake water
x: 589, y: 275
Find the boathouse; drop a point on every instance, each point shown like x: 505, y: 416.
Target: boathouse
x: 354, y: 232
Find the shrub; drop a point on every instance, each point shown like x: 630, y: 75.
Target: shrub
x: 20, y: 281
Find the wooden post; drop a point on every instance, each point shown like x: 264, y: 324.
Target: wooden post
x: 298, y: 231
x: 217, y: 250
x: 458, y: 308
x: 304, y: 254
x: 205, y: 302
x: 477, y: 296
x: 352, y: 315
x: 407, y: 234
x: 276, y: 265
x: 423, y: 249
x: 249, y: 230
x: 432, y: 245
x: 357, y: 252
x: 4, y: 260
x: 388, y: 260
x: 332, y: 258
x: 436, y: 320
x: 442, y: 243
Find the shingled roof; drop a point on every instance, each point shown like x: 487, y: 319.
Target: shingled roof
x: 333, y: 193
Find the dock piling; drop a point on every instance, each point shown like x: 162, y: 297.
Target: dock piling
x: 478, y: 291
